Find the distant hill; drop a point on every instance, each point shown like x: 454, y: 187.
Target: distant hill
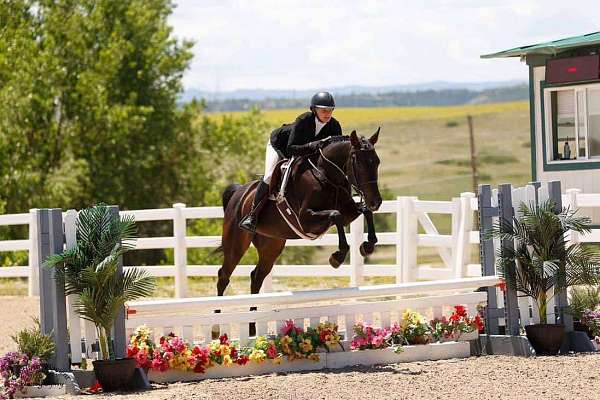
x: 262, y: 94
x: 422, y: 98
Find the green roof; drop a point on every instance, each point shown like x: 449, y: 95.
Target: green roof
x: 551, y: 48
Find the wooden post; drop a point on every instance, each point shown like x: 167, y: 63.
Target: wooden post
x: 53, y: 313
x: 119, y: 332
x: 511, y: 306
x: 487, y: 256
x: 463, y: 226
x: 561, y: 299
x: 474, y: 172
x: 572, y: 195
x: 74, y: 320
x: 356, y: 259
x: 406, y: 251
x: 33, y: 257
x: 180, y: 250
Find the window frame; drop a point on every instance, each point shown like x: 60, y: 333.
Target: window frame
x: 547, y: 122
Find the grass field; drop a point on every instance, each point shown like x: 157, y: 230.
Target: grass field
x: 424, y: 152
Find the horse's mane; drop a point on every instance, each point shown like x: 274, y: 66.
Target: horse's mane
x: 365, y: 144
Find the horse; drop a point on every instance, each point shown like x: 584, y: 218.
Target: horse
x: 320, y: 192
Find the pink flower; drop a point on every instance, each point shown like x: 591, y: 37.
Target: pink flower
x: 288, y: 327
x: 178, y: 344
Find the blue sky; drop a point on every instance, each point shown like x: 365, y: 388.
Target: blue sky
x: 318, y: 44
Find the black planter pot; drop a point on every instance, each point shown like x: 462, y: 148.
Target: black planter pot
x: 579, y: 327
x: 546, y: 339
x: 116, y: 374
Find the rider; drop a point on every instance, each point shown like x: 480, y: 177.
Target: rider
x: 301, y: 137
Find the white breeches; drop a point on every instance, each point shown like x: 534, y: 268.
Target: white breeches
x: 271, y: 159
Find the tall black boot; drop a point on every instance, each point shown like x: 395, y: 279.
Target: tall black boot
x: 250, y: 221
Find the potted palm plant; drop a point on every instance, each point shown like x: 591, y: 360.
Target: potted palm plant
x: 90, y: 271
x: 543, y: 259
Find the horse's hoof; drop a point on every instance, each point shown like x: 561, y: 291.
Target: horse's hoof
x: 336, y: 259
x: 366, y: 248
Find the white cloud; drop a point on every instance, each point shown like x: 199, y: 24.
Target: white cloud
x: 307, y: 44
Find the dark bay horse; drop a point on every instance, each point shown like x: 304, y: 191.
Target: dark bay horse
x: 320, y: 191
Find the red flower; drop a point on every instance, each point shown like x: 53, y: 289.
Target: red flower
x: 242, y: 360
x: 460, y: 310
x: 502, y: 286
x: 95, y: 388
x: 132, y: 351
x: 224, y: 339
x: 200, y: 368
x: 479, y: 322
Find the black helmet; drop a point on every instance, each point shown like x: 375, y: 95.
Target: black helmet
x: 322, y: 100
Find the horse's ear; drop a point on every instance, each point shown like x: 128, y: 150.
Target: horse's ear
x: 373, y: 139
x: 354, y: 139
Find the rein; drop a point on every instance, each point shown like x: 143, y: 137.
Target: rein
x: 350, y: 179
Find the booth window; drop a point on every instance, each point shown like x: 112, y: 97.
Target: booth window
x: 574, y: 122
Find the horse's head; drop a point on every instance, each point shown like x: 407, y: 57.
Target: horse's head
x: 362, y: 168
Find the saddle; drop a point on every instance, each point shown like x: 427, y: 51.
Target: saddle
x: 277, y: 188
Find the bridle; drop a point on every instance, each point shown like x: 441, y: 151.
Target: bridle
x: 350, y: 177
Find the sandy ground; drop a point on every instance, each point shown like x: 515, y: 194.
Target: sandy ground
x: 489, y: 377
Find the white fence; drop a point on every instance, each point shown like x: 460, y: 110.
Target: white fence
x: 453, y: 248
x: 29, y: 245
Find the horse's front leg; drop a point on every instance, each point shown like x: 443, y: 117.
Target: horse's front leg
x: 368, y: 247
x: 335, y: 217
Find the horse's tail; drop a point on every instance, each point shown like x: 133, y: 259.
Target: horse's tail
x: 225, y: 198
x: 228, y: 193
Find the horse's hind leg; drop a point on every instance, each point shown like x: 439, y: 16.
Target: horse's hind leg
x: 268, y: 251
x: 235, y: 243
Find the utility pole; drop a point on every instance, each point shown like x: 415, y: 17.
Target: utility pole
x: 474, y: 173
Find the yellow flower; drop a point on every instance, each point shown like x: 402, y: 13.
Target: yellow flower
x: 314, y: 357
x: 225, y: 350
x: 278, y: 360
x: 306, y: 345
x: 258, y: 356
x: 227, y: 361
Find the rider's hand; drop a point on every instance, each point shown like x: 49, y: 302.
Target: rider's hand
x: 314, y: 146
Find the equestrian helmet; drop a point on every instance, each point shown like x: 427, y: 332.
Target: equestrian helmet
x: 322, y: 100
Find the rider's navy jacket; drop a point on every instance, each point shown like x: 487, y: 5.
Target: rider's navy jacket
x: 289, y: 139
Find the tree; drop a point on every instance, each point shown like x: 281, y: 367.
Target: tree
x: 88, y: 111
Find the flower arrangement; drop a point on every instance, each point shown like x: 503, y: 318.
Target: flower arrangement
x: 414, y: 328
x: 223, y: 352
x: 327, y: 335
x: 458, y: 323
x: 173, y: 352
x: 141, y: 347
x: 293, y: 343
x: 591, y: 319
x: 297, y: 344
x: 367, y: 337
x: 17, y: 371
x: 264, y: 349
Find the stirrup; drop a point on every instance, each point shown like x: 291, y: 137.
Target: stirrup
x: 248, y: 223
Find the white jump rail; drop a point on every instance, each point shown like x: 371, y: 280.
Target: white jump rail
x: 292, y: 297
